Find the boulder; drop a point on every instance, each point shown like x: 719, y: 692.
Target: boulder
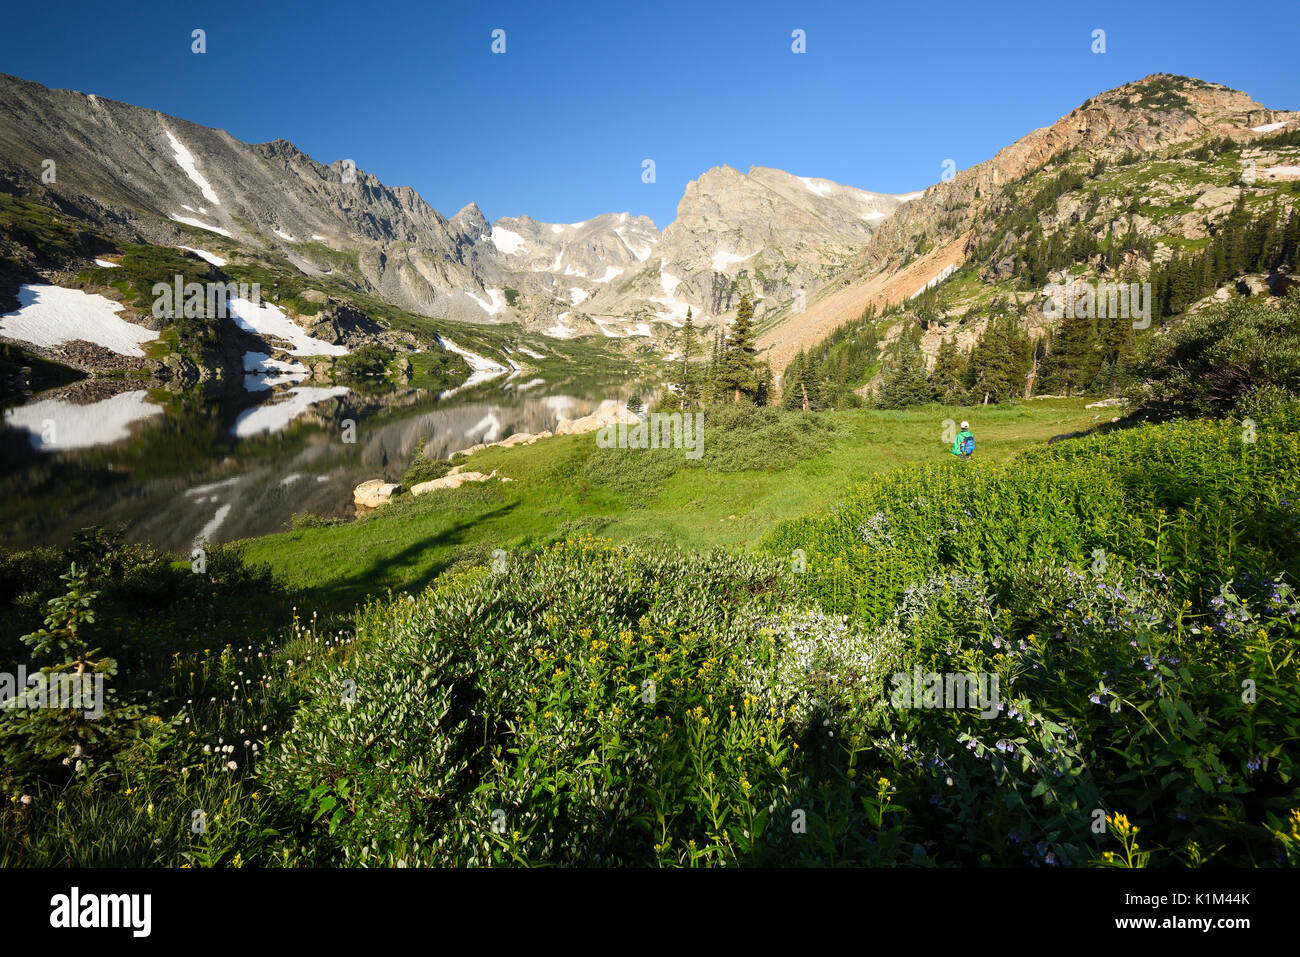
x: 451, y: 480
x: 1252, y: 285
x: 374, y: 493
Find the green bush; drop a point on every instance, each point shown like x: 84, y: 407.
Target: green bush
x: 424, y: 469
x: 1226, y: 355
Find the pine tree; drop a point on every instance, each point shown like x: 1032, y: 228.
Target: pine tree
x: 905, y: 381
x: 687, y: 388
x: 947, y: 375
x: 740, y: 374
x: 792, y: 382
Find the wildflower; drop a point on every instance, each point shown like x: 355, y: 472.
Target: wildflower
x: 1122, y: 825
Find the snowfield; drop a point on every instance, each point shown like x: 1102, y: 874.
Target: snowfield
x: 106, y: 264
x: 491, y: 308
x: 642, y: 253
x: 1268, y: 127
x: 185, y: 160
x: 506, y: 240
x: 268, y: 320
x: 194, y: 222
x: 205, y: 255
x: 676, y: 307
x: 610, y: 273
x: 210, y: 529
x: 722, y: 259
x: 262, y: 372
x: 73, y: 426
x: 52, y: 315
x: 481, y: 369
x: 577, y: 294
x: 820, y: 187
x: 285, y: 236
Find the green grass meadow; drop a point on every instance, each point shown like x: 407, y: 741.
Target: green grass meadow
x: 567, y: 485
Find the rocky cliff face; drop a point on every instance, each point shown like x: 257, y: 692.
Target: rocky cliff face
x: 1143, y: 117
x: 142, y: 176
x: 769, y: 233
x: 937, y: 231
x: 810, y: 251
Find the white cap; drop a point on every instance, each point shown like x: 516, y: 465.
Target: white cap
x: 965, y: 425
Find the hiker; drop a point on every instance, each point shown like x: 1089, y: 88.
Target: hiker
x: 964, y: 444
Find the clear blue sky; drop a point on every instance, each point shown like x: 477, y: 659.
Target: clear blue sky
x: 558, y: 126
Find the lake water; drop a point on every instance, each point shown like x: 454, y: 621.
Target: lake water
x: 225, y: 470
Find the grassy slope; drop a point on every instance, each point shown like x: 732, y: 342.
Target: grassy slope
x: 409, y: 542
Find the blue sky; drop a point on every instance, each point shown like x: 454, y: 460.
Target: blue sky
x: 559, y: 125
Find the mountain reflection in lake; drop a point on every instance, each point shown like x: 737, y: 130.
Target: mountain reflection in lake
x: 224, y: 471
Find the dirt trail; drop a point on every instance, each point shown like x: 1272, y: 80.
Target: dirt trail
x: 783, y: 342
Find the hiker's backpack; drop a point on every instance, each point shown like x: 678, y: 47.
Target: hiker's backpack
x: 968, y: 445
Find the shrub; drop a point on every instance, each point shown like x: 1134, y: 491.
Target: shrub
x: 1209, y: 363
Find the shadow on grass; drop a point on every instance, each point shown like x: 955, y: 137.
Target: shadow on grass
x: 400, y: 571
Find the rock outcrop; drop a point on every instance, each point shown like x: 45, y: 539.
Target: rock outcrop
x: 451, y: 480
x: 375, y: 493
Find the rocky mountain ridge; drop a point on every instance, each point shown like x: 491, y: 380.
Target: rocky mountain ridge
x: 143, y: 176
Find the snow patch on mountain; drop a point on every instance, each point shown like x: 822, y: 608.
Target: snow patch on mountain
x: 481, y: 369
x: 506, y: 240
x: 639, y: 250
x: 185, y: 160
x: 262, y: 372
x: 205, y: 255
x: 267, y: 320
x: 51, y: 315
x: 820, y: 187
x: 497, y: 297
x: 200, y: 225
x: 722, y: 259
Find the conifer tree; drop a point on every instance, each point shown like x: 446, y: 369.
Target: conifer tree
x: 687, y: 387
x: 740, y: 376
x: 947, y: 376
x: 904, y: 380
